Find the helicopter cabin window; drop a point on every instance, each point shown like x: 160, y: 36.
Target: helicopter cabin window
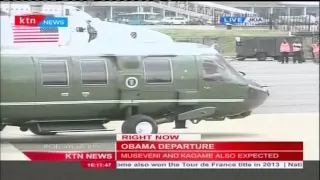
x: 94, y: 72
x: 54, y: 73
x: 157, y: 70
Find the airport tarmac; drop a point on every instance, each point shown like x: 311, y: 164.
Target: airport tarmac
x: 294, y: 88
x: 290, y: 114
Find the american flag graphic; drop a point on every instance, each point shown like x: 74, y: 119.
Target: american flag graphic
x: 24, y: 34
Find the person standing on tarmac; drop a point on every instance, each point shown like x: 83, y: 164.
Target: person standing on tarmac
x: 315, y: 50
x: 297, y: 52
x: 91, y: 31
x: 315, y: 45
x: 285, y: 50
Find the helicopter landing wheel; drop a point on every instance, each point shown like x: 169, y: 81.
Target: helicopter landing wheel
x: 35, y: 130
x: 139, y: 124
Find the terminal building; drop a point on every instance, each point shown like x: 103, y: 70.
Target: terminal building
x: 110, y: 9
x: 204, y: 9
x: 277, y: 8
x: 207, y: 9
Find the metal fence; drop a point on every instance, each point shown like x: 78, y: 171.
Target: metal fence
x: 277, y: 20
x: 284, y: 23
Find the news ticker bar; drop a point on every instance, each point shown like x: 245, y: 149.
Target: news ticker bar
x: 193, y: 165
x: 183, y: 151
x: 158, y: 137
x: 207, y: 146
x: 193, y: 142
x: 181, y: 147
x: 165, y: 156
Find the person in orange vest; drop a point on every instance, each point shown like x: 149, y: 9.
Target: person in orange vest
x: 315, y: 50
x: 285, y: 50
x: 312, y: 48
x: 297, y: 52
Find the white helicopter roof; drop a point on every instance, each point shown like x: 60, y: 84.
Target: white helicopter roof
x: 194, y: 44
x: 129, y: 49
x: 109, y: 32
x: 6, y: 31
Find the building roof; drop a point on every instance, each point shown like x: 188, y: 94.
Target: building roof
x: 269, y: 3
x: 223, y: 7
x: 300, y: 3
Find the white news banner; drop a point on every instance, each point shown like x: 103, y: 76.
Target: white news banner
x: 159, y: 137
x: 210, y: 165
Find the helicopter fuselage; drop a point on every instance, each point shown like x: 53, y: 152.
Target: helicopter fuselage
x: 93, y: 88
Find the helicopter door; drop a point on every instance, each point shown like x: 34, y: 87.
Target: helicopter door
x: 185, y: 79
x: 54, y: 86
x: 94, y: 86
x: 158, y: 94
x: 217, y: 84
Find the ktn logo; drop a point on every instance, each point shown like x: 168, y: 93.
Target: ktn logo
x: 41, y: 21
x: 240, y: 20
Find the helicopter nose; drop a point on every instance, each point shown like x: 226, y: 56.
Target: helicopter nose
x: 266, y: 90
x: 258, y: 95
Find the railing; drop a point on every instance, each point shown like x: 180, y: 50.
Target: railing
x: 175, y: 7
x: 295, y: 23
x: 272, y: 21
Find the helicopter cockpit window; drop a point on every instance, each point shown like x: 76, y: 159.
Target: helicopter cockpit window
x: 158, y: 70
x: 215, y: 70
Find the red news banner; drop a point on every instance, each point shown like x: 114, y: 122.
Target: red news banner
x: 184, y: 151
